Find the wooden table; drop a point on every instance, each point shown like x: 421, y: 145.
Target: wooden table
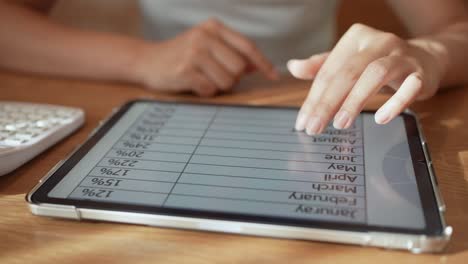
x: 25, y: 238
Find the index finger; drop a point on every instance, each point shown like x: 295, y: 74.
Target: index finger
x: 247, y: 48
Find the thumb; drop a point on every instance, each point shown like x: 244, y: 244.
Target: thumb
x: 307, y: 69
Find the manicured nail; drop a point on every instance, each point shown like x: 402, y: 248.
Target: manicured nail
x: 291, y: 64
x: 313, y: 125
x: 301, y: 122
x: 382, y: 116
x: 341, y: 119
x: 294, y: 66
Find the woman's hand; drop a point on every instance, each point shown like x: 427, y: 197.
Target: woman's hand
x: 207, y: 59
x: 363, y: 61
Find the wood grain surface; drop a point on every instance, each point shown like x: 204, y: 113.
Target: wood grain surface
x: 25, y: 238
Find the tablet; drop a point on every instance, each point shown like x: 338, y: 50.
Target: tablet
x: 245, y: 170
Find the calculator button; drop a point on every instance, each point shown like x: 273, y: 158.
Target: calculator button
x: 23, y: 136
x: 10, y: 127
x: 43, y: 123
x: 66, y: 120
x: 34, y: 130
x: 13, y: 141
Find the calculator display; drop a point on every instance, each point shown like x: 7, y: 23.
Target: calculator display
x: 250, y: 161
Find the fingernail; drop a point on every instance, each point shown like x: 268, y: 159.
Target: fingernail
x: 341, y: 119
x: 301, y: 122
x: 382, y: 116
x: 291, y: 64
x: 313, y: 126
x: 294, y: 66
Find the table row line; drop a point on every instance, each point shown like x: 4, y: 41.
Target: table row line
x: 249, y: 173
x: 216, y: 126
x: 177, y: 130
x: 252, y: 207
x: 230, y: 144
x: 235, y: 153
x: 225, y: 181
x: 188, y: 136
x: 153, y: 119
x: 330, y: 167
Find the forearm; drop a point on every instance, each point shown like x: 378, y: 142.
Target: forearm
x: 30, y: 42
x: 449, y: 47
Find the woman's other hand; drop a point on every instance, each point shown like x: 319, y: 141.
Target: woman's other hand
x: 207, y: 59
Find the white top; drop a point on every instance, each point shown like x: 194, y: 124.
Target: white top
x: 283, y: 29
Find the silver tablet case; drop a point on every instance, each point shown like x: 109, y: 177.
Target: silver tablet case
x: 413, y: 242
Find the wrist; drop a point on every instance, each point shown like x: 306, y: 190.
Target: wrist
x: 134, y: 71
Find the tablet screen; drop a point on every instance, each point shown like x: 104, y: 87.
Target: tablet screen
x: 250, y: 161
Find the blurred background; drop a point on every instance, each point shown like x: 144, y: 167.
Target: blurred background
x: 123, y: 15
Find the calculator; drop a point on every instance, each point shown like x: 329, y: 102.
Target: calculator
x: 27, y: 129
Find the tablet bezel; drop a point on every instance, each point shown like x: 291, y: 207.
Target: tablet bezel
x: 433, y: 219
